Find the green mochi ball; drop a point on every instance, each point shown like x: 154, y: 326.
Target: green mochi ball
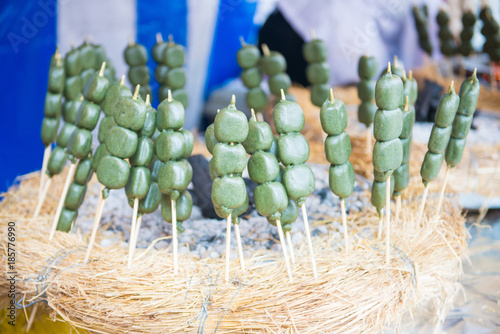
x: 408, y: 121
x: 107, y: 123
x: 270, y: 199
x: 151, y: 201
x: 159, y: 51
x: 299, y: 182
x: 174, y: 55
x: 366, y: 90
x: 161, y: 74
x: 387, y: 124
x: 278, y: 82
x: 378, y: 193
x: 406, y: 143
x: 75, y: 196
x: 439, y: 139
x: 72, y: 63
x: 53, y: 105
x: 367, y: 67
x: 170, y: 115
x: 88, y: 115
x: 189, y: 143
x: 49, y: 130
x: 149, y: 127
x: 113, y: 172
x: 248, y: 56
x: 138, y: 182
x: 210, y: 140
x: 229, y: 192
x: 155, y: 168
x: 121, y: 142
x: 318, y: 73
x: 80, y: 143
x: 135, y: 55
x: 319, y: 93
x: 183, y: 207
x: 230, y: 126
x: 99, y: 153
x: 333, y: 117
x: 181, y: 96
x: 83, y: 171
x: 72, y: 88
x: 85, y: 76
x: 144, y: 152
x: 454, y: 151
x: 341, y: 179
x: 388, y: 91
x: 461, y: 126
x: 260, y: 137
x: 273, y: 64
x: 70, y: 110
x: 112, y: 95
x: 229, y: 159
x: 288, y: 117
x: 293, y: 149
x: 224, y: 212
x: 170, y: 145
x: 96, y: 88
x: 263, y: 167
x: 366, y: 112
x: 130, y: 113
x: 236, y: 213
x: 174, y: 177
x: 138, y: 75
x: 64, y: 134
x: 252, y: 77
x: 387, y: 156
x: 401, y: 178
x: 56, y: 162
x: 315, y: 51
x: 274, y: 148
x: 256, y: 98
x: 338, y: 149
x: 87, y: 56
x: 469, y: 94
x: 446, y: 110
x: 176, y: 78
x: 66, y: 220
x: 288, y: 216
x: 431, y: 166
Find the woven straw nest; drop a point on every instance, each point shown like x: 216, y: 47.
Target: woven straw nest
x: 354, y: 293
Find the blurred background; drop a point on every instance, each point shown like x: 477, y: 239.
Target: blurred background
x: 210, y: 31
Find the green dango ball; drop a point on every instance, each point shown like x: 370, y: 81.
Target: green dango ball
x: 367, y: 67
x: 113, y: 172
x: 461, y: 126
x: 57, y: 78
x: 130, y: 113
x: 338, y: 149
x: 113, y: 94
x: 149, y: 127
x: 333, y: 117
x: 107, y: 123
x: 88, y: 115
x: 454, y: 151
x: 100, y: 153
x: 260, y: 137
x: 318, y: 73
x: 263, y: 167
x: 229, y: 159
x: 439, y: 139
x: 181, y: 96
x: 378, y: 195
x: 299, y: 182
x: 230, y: 126
x: 135, y: 55
x: 366, y: 90
x: 315, y: 51
x: 183, y: 207
x: 189, y: 143
x: 229, y: 192
x: 176, y: 78
x: 57, y: 161
x: 138, y: 182
x: 248, y: 56
x: 401, y: 178
x: 170, y: 115
x: 388, y: 91
x: 288, y: 117
x: 80, y: 143
x: 66, y: 220
x: 256, y: 98
x: 273, y: 64
x: 72, y: 88
x: 144, y: 152
x: 319, y: 93
x: 159, y: 51
x: 161, y: 74
x: 151, y: 201
x: 252, y: 77
x: 138, y: 75
x: 49, y: 130
x: 83, y: 171
x: 121, y: 142
x: 170, y: 145
x: 366, y: 112
x: 75, y: 196
x: 387, y: 156
x: 447, y: 109
x: 288, y: 216
x: 341, y: 179
x: 293, y: 149
x: 431, y: 166
x: 387, y: 124
x: 174, y: 56
x: 53, y: 105
x: 72, y: 63
x: 270, y: 199
x: 96, y: 88
x: 87, y: 56
x: 278, y: 82
x: 236, y: 213
x: 174, y: 177
x: 210, y: 140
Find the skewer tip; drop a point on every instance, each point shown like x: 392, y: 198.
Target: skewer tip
x: 265, y: 50
x: 404, y: 76
x: 253, y: 117
x: 313, y: 34
x: 136, y: 92
x: 242, y: 41
x: 410, y: 75
x: 148, y: 101
x: 332, y: 99
x: 159, y: 37
x: 395, y: 61
x: 389, y: 67
x: 233, y: 99
x: 169, y: 96
x: 103, y: 67
x: 283, y: 97
x: 218, y: 110
x: 474, y: 74
x: 452, y: 87
x: 131, y: 41
x: 122, y: 80
x: 407, y: 105
x: 171, y: 39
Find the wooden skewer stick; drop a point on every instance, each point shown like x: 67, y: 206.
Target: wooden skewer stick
x: 42, y: 197
x: 309, y: 242
x: 131, y: 246
x: 67, y: 183
x: 283, y: 247
x: 313, y: 34
x: 422, y: 205
x: 242, y: 41
x: 174, y: 236
x: 131, y: 41
x: 380, y: 224
x: 387, y: 220
x: 43, y: 175
x: 228, y: 246
x: 159, y: 37
x: 240, y: 247
x: 31, y: 318
x: 265, y: 50
x: 135, y: 235
x: 368, y: 139
x: 290, y: 246
x: 344, y: 225
x: 398, y: 207
x: 97, y: 219
x: 443, y: 188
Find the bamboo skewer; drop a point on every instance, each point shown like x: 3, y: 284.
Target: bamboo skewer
x: 136, y: 234
x: 97, y: 219
x: 131, y: 244
x: 175, y: 241
x: 240, y: 247
x: 67, y: 183
x: 290, y: 246
x: 43, y: 175
x: 228, y: 246
x: 368, y: 140
x: 309, y: 242
x: 42, y: 197
x: 387, y: 219
x: 422, y: 205
x: 441, y: 194
x: 380, y: 225
x: 31, y: 318
x: 344, y: 225
x: 283, y: 247
x: 398, y: 207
